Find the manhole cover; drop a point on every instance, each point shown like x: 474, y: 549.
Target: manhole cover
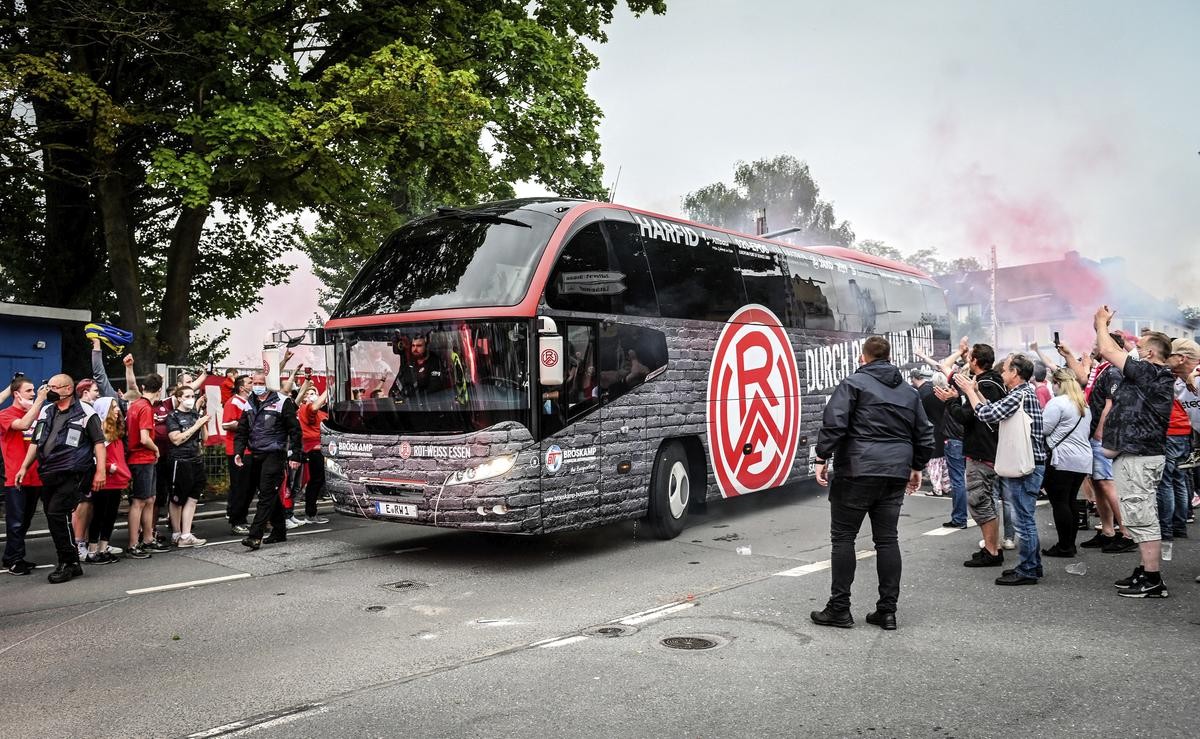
x: 403, y: 585
x: 375, y: 609
x: 610, y: 631
x: 693, y: 642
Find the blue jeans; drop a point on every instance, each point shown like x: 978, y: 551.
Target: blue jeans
x: 1022, y: 494
x: 956, y: 464
x: 19, y: 507
x: 1173, y: 490
x: 1001, y: 496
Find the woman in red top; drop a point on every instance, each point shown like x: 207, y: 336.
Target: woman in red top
x: 108, y: 500
x: 311, y: 417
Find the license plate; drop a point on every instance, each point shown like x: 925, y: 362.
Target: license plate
x: 396, y: 510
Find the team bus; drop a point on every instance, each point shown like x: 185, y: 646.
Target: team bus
x: 541, y: 365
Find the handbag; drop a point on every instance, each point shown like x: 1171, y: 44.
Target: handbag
x: 1014, y: 450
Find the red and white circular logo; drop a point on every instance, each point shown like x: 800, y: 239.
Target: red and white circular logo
x: 753, y: 403
x: 405, y: 450
x: 549, y: 357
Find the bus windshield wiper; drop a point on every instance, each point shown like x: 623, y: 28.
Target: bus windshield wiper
x: 475, y: 215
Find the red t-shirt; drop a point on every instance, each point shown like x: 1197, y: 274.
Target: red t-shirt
x: 141, y: 416
x: 1180, y: 424
x: 1043, y: 394
x: 16, y: 446
x: 232, y: 412
x: 310, y: 426
x: 117, y: 479
x: 226, y: 390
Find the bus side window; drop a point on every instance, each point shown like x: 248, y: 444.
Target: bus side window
x: 811, y: 298
x: 905, y: 304
x: 936, y: 313
x: 697, y: 282
x: 762, y: 274
x: 629, y: 258
x: 578, y: 280
x: 860, y: 301
x: 580, y: 391
x: 629, y: 355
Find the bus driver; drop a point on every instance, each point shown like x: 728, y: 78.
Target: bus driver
x: 421, y: 372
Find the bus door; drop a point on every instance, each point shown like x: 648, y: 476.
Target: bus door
x: 571, y: 420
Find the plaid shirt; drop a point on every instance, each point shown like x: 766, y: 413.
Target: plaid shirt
x: 1022, y: 396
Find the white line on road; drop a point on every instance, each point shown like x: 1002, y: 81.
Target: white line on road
x: 946, y: 531
x: 410, y: 549
x: 189, y: 584
x: 818, y: 566
x: 563, y: 642
x: 648, y: 610
x: 64, y: 623
x: 635, y: 620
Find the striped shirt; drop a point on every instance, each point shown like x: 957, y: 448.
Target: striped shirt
x: 1022, y: 396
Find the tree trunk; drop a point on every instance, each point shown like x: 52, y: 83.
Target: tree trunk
x: 183, y: 253
x: 122, y: 260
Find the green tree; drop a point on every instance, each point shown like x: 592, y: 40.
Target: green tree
x: 784, y: 186
x: 924, y: 259
x: 131, y: 125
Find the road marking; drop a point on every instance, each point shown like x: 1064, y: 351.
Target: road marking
x: 946, y: 531
x: 189, y: 584
x: 822, y: 565
x: 410, y: 549
x: 635, y: 620
x: 648, y: 610
x: 263, y: 721
x: 311, y: 531
x: 562, y: 642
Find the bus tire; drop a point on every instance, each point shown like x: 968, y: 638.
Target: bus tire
x: 670, y: 491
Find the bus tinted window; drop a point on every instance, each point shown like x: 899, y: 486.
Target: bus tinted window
x: 639, y: 298
x: 581, y: 280
x: 811, y: 298
x: 484, y: 258
x: 905, y: 304
x: 860, y: 300
x: 628, y: 356
x: 698, y: 282
x: 936, y: 313
x: 762, y: 275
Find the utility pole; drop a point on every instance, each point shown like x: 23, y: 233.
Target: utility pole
x: 760, y: 221
x: 995, y: 317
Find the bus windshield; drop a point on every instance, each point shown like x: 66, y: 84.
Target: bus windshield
x: 448, y: 377
x: 457, y: 259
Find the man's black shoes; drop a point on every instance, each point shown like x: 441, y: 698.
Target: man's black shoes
x: 65, y: 572
x: 885, y: 621
x: 832, y: 618
x: 953, y: 525
x: 1119, y: 545
x: 273, y: 539
x: 252, y: 544
x: 1012, y: 578
x: 984, y: 558
x: 1099, y: 540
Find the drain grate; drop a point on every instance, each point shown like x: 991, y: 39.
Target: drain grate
x: 403, y: 585
x: 610, y: 631
x: 688, y: 642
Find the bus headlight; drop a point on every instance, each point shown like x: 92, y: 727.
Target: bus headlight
x: 334, y: 469
x: 492, y: 468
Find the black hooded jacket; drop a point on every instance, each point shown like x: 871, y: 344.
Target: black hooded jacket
x: 874, y: 425
x: 979, y: 438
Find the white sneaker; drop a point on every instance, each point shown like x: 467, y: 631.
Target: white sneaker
x: 318, y: 519
x: 294, y: 523
x: 83, y: 551
x: 188, y: 540
x: 175, y: 537
x: 1010, y: 544
x: 114, y: 550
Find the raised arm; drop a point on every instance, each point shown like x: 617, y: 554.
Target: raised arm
x: 99, y: 374
x: 1110, y: 350
x: 131, y: 384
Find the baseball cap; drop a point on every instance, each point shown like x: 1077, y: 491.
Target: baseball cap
x: 1186, y: 348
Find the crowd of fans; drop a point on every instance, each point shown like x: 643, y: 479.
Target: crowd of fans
x: 83, y: 448
x: 1115, y: 427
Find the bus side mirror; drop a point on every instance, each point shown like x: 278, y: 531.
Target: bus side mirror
x: 550, y: 359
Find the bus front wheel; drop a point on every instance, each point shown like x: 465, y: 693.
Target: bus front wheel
x: 670, y: 491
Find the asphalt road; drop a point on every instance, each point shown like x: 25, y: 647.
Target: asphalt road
x: 370, y: 629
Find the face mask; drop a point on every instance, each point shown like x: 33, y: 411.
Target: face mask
x: 23, y: 403
x: 187, y: 404
x: 53, y: 396
x: 259, y: 389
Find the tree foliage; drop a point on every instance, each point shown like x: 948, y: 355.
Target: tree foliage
x: 130, y: 125
x: 785, y: 187
x: 925, y: 259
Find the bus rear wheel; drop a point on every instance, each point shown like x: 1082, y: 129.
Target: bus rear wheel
x: 670, y: 492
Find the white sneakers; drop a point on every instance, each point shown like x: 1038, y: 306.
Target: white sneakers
x: 188, y: 540
x: 1008, y: 544
x: 294, y: 523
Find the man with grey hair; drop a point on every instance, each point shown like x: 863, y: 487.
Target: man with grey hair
x: 1021, y: 491
x: 1135, y: 437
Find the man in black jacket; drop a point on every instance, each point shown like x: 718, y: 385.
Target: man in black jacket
x: 271, y: 431
x: 979, y: 447
x: 876, y: 431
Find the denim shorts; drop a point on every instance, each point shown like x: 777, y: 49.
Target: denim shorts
x: 142, y: 477
x: 1102, y: 468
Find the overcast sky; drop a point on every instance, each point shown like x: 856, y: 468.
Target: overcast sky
x: 1038, y: 127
